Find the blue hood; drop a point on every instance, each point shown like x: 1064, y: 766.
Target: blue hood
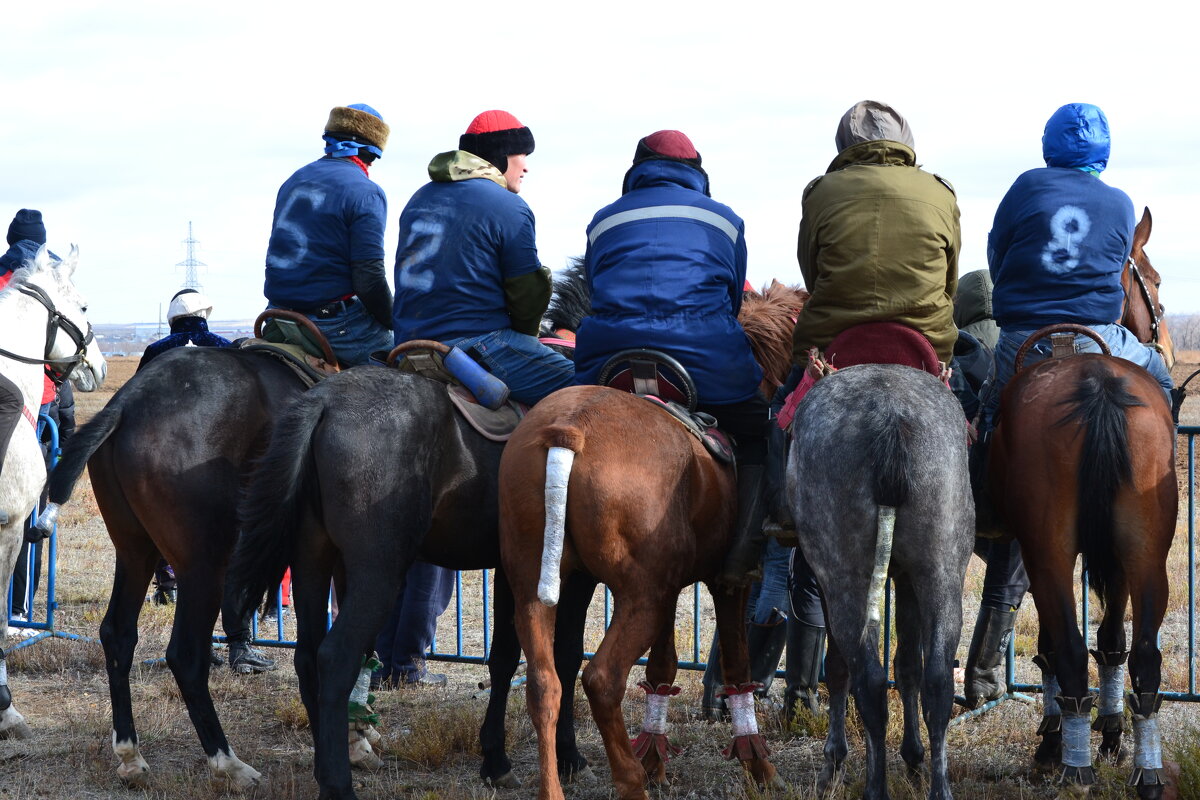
x: 1077, y: 136
x: 660, y: 171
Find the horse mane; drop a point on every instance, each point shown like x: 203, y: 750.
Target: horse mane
x: 768, y: 318
x: 571, y: 300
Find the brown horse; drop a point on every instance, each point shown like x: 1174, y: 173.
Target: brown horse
x: 1143, y: 314
x: 649, y: 512
x: 1083, y: 463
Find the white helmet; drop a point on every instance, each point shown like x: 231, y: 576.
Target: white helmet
x: 188, y: 303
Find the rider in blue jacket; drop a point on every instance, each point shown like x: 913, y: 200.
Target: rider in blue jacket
x: 666, y: 265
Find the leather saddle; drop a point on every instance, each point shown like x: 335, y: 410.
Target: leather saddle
x: 659, y: 378
x: 427, y: 358
x: 295, y: 340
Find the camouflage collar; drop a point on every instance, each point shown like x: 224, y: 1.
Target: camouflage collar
x: 459, y: 165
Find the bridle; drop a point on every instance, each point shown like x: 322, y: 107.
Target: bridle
x: 56, y: 322
x: 1151, y: 306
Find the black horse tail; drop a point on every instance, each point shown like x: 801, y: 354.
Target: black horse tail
x: 890, y: 460
x: 79, y: 448
x: 271, y: 505
x: 1098, y: 404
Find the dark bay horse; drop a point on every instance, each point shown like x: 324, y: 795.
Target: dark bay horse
x: 1083, y: 463
x: 878, y: 486
x: 649, y: 511
x: 167, y: 456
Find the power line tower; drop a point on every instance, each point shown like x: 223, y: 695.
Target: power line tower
x: 190, y: 279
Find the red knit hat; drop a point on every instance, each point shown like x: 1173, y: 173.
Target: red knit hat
x: 667, y: 144
x: 494, y: 136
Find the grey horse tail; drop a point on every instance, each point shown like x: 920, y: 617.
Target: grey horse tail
x: 890, y: 462
x: 271, y: 505
x: 79, y: 448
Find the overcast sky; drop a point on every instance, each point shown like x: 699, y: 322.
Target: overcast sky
x: 123, y: 121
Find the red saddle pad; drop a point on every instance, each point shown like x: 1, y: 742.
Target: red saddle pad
x: 883, y: 343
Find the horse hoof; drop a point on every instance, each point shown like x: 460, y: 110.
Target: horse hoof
x: 506, y: 781
x: 367, y: 761
x: 777, y: 783
x: 1073, y: 791
x: 135, y: 776
x: 19, y: 730
x: 579, y: 775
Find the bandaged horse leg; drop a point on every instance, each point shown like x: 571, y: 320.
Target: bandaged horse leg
x: 652, y: 745
x: 362, y: 717
x: 1049, y: 752
x: 1111, y: 667
x: 1148, y: 775
x: 1076, y: 740
x: 12, y: 724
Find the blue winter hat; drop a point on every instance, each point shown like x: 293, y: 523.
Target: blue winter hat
x: 1077, y: 137
x: 27, y: 224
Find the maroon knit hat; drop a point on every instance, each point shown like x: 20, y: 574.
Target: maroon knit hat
x: 496, y: 135
x: 665, y: 146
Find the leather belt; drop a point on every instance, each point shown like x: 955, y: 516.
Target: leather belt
x: 331, y: 309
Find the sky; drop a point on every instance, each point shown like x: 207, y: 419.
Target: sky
x: 125, y: 121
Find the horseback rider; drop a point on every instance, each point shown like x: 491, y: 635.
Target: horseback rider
x: 667, y: 264
x: 26, y: 235
x: 1056, y: 251
x: 467, y: 269
x: 325, y: 256
x: 188, y: 317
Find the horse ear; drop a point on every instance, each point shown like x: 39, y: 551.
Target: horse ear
x: 69, y: 263
x: 1141, y: 234
x: 41, y: 259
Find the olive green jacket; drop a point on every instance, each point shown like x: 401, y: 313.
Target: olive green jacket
x: 879, y: 242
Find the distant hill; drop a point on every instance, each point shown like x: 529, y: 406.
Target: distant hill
x: 130, y: 339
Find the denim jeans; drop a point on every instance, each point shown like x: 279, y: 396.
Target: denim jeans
x: 354, y: 335
x: 407, y: 636
x: 1121, y: 342
x: 772, y: 592
x: 529, y: 368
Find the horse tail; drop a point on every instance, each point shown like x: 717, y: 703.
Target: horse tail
x: 562, y: 443
x: 1098, y: 404
x: 889, y: 458
x: 76, y: 452
x: 270, y: 506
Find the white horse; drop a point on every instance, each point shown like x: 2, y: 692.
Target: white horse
x: 42, y: 323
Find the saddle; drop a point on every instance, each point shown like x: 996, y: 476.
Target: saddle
x: 869, y: 343
x: 294, y: 339
x: 437, y: 362
x: 659, y: 378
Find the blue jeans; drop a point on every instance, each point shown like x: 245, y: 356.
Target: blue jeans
x: 772, y: 592
x: 529, y: 368
x: 407, y: 636
x: 354, y: 335
x: 1118, y: 338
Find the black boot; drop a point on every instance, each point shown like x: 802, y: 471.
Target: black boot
x: 987, y: 524
x: 246, y: 660
x: 743, y: 563
x: 766, y: 642
x: 985, y: 673
x: 713, y: 708
x: 805, y: 655
x: 779, y: 519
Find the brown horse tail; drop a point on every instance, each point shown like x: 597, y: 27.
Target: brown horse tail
x: 1098, y: 404
x: 270, y: 507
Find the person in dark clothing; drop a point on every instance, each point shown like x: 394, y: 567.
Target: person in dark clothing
x: 407, y: 636
x: 188, y: 317
x: 325, y: 256
x: 11, y: 404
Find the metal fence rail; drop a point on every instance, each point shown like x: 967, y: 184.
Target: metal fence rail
x: 698, y: 618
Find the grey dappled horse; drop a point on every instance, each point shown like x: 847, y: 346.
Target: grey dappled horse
x: 879, y: 461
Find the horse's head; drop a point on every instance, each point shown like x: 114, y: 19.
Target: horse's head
x: 71, y: 348
x: 1142, y: 313
x: 768, y: 317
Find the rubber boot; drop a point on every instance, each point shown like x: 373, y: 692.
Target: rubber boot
x: 805, y: 655
x: 743, y: 563
x: 985, y: 672
x: 766, y: 642
x: 713, y: 708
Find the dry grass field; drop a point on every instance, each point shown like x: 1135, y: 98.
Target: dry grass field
x: 61, y: 688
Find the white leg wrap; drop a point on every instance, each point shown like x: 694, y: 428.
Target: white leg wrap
x: 362, y: 687
x: 741, y: 711
x: 558, y: 475
x: 1112, y: 685
x: 655, y: 720
x: 1050, y: 691
x: 1076, y: 741
x: 1147, y: 742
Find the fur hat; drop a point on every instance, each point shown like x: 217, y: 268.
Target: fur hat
x: 188, y: 303
x: 27, y: 224
x: 496, y: 135
x: 870, y: 121
x: 358, y: 123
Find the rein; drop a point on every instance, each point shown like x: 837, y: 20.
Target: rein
x: 54, y: 323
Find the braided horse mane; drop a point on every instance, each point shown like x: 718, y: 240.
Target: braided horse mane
x: 768, y: 318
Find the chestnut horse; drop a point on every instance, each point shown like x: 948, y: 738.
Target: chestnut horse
x: 1083, y: 463
x: 649, y: 512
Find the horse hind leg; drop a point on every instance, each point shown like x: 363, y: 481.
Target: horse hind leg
x: 1110, y: 656
x: 1145, y: 670
x: 837, y: 681
x: 652, y: 745
x: 535, y: 628
x: 909, y: 671
x: 496, y: 768
x: 568, y: 658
